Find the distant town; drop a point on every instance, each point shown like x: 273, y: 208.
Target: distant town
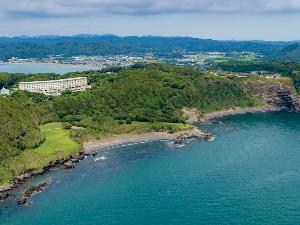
x: 91, y: 61
x: 195, y: 59
x: 202, y: 61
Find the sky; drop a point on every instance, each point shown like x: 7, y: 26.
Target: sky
x: 216, y: 19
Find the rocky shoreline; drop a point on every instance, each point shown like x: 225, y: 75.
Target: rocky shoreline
x: 207, y: 118
x: 5, y: 192
x: 90, y: 149
x: 31, y: 191
x: 193, y: 115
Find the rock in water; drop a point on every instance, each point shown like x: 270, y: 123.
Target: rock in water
x: 4, y: 196
x: 34, y: 190
x: 22, y: 201
x: 192, y: 134
x: 69, y: 165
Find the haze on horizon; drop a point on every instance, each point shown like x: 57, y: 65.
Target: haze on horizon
x: 216, y: 19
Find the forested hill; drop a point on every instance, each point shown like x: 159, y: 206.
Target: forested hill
x: 39, y: 47
x: 291, y: 53
x: 153, y: 94
x: 18, y: 127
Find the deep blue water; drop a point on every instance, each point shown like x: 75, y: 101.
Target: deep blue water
x: 30, y: 68
x: 250, y: 174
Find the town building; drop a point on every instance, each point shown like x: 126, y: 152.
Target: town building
x: 4, y: 91
x: 55, y: 87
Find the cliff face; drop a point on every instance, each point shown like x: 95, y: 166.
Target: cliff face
x: 281, y: 96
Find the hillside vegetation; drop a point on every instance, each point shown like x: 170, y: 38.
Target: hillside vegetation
x: 18, y: 127
x: 291, y: 53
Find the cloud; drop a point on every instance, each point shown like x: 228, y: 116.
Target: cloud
x: 71, y: 8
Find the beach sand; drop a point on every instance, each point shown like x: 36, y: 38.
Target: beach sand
x: 118, y: 140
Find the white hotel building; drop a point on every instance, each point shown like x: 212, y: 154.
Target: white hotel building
x: 55, y: 87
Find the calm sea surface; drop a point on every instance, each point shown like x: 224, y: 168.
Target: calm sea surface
x: 30, y: 68
x: 250, y: 174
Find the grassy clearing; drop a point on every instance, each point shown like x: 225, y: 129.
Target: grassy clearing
x: 57, y: 145
x: 133, y: 128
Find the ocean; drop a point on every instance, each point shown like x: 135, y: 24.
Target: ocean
x: 33, y: 68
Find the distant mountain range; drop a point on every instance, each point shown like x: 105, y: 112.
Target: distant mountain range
x: 42, y: 46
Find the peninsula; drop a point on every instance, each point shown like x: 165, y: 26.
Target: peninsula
x: 142, y: 103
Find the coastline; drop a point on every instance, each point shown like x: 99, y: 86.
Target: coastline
x: 237, y: 111
x: 124, y: 139
x: 105, y: 143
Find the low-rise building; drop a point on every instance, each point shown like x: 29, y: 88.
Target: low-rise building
x: 4, y: 91
x: 55, y: 87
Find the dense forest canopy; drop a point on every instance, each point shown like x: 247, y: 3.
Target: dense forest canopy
x: 18, y: 126
x: 290, y: 53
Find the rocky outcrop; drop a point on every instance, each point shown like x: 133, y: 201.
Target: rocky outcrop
x: 35, y: 189
x: 192, y: 134
x: 278, y: 95
x: 69, y: 165
x: 281, y: 96
x: 192, y: 115
x: 19, y: 180
x: 4, y: 196
x: 31, y: 191
x: 22, y: 201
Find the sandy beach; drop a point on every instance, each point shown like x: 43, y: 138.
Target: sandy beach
x: 118, y: 140
x: 97, y: 145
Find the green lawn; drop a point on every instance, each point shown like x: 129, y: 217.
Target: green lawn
x: 57, y: 145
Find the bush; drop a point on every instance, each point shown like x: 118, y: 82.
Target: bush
x: 67, y: 125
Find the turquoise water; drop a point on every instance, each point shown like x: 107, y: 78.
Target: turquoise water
x: 250, y: 174
x: 30, y: 68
